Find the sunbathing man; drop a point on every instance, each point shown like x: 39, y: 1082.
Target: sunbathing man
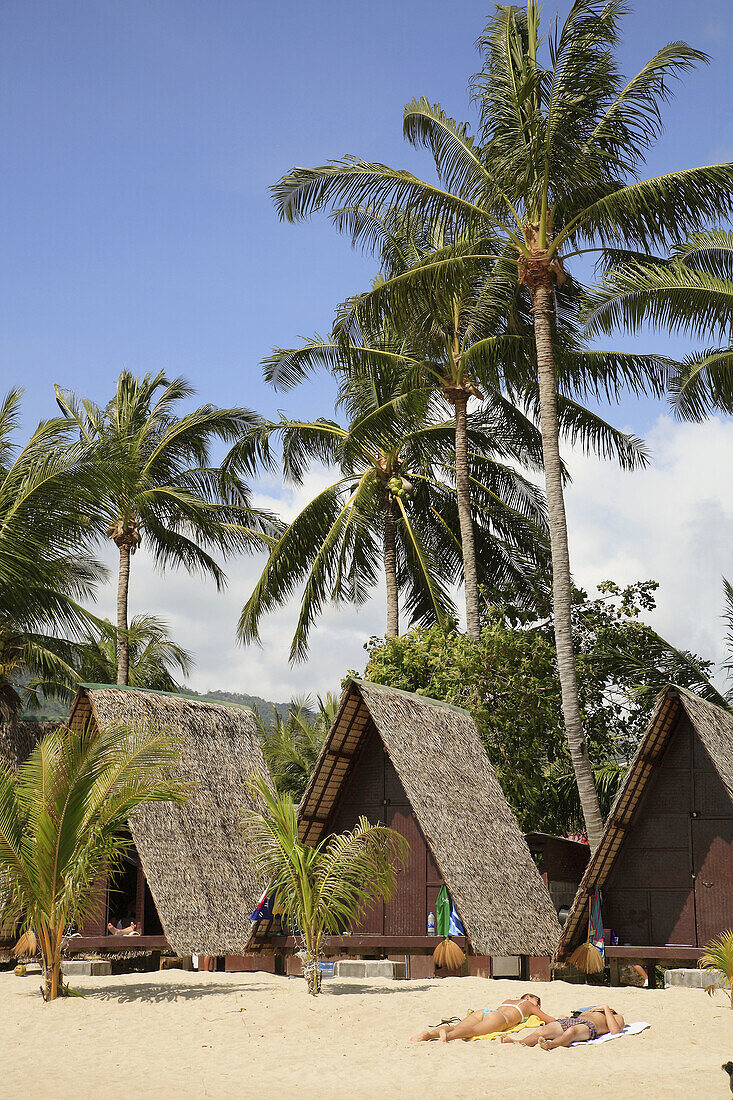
x: 508, y: 1014
x: 600, y: 1020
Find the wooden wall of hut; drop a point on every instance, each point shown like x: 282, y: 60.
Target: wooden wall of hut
x: 672, y: 881
x: 374, y: 790
x: 561, y: 862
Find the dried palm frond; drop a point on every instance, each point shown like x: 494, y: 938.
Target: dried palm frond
x: 448, y: 955
x: 26, y: 945
x: 587, y: 958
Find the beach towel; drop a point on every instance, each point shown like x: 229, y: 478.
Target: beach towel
x: 523, y: 1025
x: 630, y: 1029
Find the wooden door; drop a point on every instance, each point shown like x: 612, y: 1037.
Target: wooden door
x: 712, y: 844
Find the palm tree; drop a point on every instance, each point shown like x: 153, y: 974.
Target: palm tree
x: 63, y: 825
x: 161, y: 486
x: 465, y: 338
x: 693, y: 293
x: 555, y: 175
x: 49, y: 490
x: 153, y: 656
x: 394, y: 494
x: 291, y: 746
x: 33, y: 664
x: 325, y: 889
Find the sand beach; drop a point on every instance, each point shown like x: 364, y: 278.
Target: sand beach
x: 256, y: 1035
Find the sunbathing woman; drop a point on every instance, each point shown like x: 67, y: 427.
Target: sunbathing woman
x: 600, y: 1020
x: 508, y: 1014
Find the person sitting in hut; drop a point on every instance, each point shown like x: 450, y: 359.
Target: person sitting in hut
x: 486, y: 1022
x: 601, y: 1020
x: 118, y: 929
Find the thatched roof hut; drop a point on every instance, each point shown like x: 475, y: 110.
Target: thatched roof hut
x: 193, y: 857
x: 665, y: 860
x: 420, y: 765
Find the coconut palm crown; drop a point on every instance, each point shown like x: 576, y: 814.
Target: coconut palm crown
x: 450, y: 348
x: 395, y: 498
x: 162, y: 489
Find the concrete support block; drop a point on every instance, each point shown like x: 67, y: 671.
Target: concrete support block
x: 691, y: 979
x: 378, y: 968
x: 507, y: 966
x: 87, y: 967
x: 351, y: 968
x: 399, y: 968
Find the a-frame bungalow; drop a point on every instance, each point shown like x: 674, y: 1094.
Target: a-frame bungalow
x: 419, y: 766
x: 664, y: 865
x: 189, y: 883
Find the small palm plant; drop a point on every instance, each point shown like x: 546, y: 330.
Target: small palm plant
x: 322, y: 890
x: 718, y: 961
x: 63, y: 826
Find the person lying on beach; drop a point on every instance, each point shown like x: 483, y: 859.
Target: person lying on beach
x: 508, y: 1014
x: 118, y: 930
x: 600, y: 1020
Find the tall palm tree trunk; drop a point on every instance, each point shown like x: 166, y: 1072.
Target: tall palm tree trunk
x: 561, y: 584
x: 123, y: 641
x: 463, y: 496
x: 390, y: 570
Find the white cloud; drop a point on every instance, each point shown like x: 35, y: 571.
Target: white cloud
x: 672, y: 522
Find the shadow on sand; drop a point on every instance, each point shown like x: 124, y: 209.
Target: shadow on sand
x: 339, y: 988
x: 153, y: 993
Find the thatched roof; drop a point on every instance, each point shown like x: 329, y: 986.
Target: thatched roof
x: 714, y: 727
x: 193, y: 856
x: 460, y: 807
x: 19, y: 737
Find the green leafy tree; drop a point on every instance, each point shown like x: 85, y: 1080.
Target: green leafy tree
x: 291, y: 746
x: 555, y: 173
x: 161, y: 487
x: 509, y: 683
x: 394, y: 499
x: 658, y: 663
x: 63, y: 825
x: 325, y: 889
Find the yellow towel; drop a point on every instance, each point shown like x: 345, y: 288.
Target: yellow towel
x: 523, y: 1025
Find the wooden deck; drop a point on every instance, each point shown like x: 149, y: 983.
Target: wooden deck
x: 648, y: 957
x: 79, y: 945
x: 360, y: 944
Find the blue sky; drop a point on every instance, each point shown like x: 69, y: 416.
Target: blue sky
x: 139, y: 140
